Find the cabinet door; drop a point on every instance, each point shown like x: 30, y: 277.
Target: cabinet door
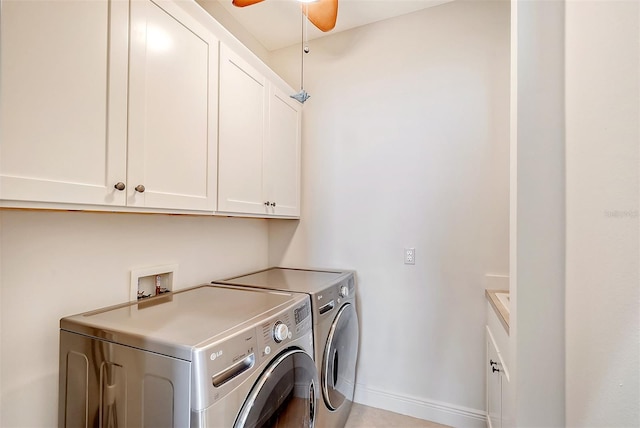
x: 172, y: 109
x: 64, y: 108
x: 282, y: 153
x: 243, y: 104
x: 494, y: 384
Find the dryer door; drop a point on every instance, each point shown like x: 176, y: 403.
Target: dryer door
x: 339, y: 361
x: 285, y: 395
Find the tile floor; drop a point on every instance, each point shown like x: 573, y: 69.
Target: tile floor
x: 369, y: 417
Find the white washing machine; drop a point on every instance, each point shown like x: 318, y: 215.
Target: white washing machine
x: 335, y: 330
x: 209, y: 356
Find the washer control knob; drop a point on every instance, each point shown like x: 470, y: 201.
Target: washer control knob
x: 280, y: 332
x: 344, y: 291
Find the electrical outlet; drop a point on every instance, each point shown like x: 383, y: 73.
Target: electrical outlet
x: 409, y: 256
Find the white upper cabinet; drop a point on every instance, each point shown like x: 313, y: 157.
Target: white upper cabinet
x: 136, y: 105
x: 282, y: 178
x: 108, y: 103
x: 63, y: 111
x: 243, y: 114
x: 259, y: 143
x: 173, y: 83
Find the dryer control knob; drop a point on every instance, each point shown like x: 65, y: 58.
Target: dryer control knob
x: 344, y: 291
x: 280, y: 332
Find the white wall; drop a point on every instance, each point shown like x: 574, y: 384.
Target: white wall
x: 60, y: 263
x: 536, y: 394
x: 603, y: 279
x: 575, y: 225
x: 405, y: 144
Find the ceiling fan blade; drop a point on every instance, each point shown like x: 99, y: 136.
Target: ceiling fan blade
x: 243, y: 3
x: 322, y: 13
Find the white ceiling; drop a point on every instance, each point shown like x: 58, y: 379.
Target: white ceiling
x: 278, y: 23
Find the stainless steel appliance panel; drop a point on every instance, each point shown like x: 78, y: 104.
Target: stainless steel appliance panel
x: 285, y: 396
x: 109, y: 385
x: 251, y: 391
x: 174, y: 324
x: 189, y: 359
x: 285, y: 279
x: 335, y: 329
x: 339, y: 359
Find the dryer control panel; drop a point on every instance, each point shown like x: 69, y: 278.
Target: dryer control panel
x: 333, y: 297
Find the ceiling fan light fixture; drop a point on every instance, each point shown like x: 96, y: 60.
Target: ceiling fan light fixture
x: 322, y: 13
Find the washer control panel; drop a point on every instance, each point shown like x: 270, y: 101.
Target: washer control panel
x: 277, y: 332
x: 219, y: 367
x: 280, y: 332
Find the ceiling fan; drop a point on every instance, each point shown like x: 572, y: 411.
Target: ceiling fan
x: 322, y: 13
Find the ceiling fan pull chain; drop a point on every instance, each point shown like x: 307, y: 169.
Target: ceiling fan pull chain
x: 305, y: 20
x: 303, y: 96
x: 302, y: 55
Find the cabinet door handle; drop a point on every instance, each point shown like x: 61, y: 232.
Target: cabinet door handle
x: 492, y: 363
x: 119, y: 186
x: 140, y: 188
x: 267, y: 203
x: 495, y: 369
x: 273, y: 204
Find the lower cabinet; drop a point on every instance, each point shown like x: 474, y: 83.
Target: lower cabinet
x: 497, y: 373
x: 495, y: 383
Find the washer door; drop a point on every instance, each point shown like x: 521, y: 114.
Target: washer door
x: 339, y: 361
x: 285, y: 395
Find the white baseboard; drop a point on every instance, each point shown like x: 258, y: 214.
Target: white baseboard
x: 435, y: 411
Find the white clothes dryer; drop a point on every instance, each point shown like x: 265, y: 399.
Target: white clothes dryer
x: 209, y: 356
x: 335, y: 330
